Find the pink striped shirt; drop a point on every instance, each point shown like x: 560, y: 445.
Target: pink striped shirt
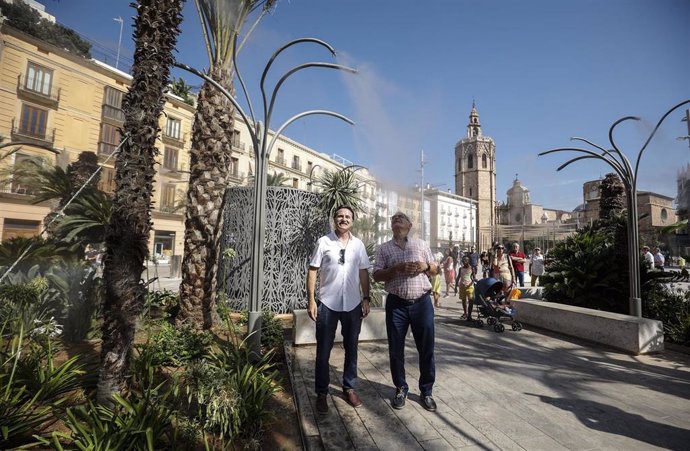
x: 389, y: 254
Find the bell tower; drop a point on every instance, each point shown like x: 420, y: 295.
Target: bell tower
x: 475, y: 176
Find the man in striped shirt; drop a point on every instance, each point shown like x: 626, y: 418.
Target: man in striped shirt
x: 404, y: 263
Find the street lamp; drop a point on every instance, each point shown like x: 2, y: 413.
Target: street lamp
x: 620, y: 163
x: 258, y: 132
x: 310, y: 183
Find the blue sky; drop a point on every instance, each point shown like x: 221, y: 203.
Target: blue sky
x: 540, y: 72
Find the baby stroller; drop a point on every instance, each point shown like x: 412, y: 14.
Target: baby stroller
x: 492, y: 305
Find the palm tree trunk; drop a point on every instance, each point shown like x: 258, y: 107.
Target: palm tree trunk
x: 155, y: 29
x: 209, y: 165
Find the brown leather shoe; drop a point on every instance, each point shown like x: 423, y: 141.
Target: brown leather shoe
x: 322, y: 404
x: 352, y: 398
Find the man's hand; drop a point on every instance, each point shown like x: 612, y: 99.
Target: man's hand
x: 366, y: 308
x: 311, y: 310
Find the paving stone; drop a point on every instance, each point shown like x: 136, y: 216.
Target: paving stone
x: 531, y: 390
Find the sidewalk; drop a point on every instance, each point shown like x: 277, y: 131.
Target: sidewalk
x: 527, y: 390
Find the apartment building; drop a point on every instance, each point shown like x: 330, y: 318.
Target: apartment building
x: 55, y: 99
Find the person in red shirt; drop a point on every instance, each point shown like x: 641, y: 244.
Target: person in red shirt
x: 518, y: 258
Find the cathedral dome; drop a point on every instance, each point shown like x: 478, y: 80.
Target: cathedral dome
x: 517, y: 188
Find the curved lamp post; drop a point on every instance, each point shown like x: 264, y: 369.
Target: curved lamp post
x: 258, y: 132
x: 628, y: 174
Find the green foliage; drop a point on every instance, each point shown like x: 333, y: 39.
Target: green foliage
x: 26, y: 19
x: 271, y: 329
x: 143, y: 423
x: 175, y: 347
x: 86, y: 219
x: 36, y: 252
x: 228, y: 391
x: 165, y: 303
x: 590, y: 268
x: 339, y: 188
x: 181, y: 89
x: 672, y: 307
x: 33, y: 386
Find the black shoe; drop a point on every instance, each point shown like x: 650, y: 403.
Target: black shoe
x: 428, y: 403
x: 321, y: 404
x: 398, y: 401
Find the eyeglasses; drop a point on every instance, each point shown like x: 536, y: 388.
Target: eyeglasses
x: 341, y: 261
x: 394, y: 217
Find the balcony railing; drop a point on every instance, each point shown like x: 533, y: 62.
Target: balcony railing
x: 280, y: 160
x: 50, y: 98
x: 239, y: 145
x: 15, y: 188
x: 22, y: 133
x: 296, y: 166
x: 106, y: 149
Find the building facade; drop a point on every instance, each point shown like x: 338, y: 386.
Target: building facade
x: 453, y: 220
x: 52, y: 98
x: 475, y: 176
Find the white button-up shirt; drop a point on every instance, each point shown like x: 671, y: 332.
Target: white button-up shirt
x: 339, y: 287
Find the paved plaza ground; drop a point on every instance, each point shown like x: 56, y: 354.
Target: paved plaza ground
x: 529, y: 390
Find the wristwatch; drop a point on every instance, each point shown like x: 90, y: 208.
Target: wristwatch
x: 366, y: 298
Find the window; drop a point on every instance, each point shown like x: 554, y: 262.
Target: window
x: 296, y: 163
x: 234, y: 167
x: 470, y: 162
x: 107, y: 182
x: 110, y: 139
x: 33, y: 121
x: 168, y: 197
x: 295, y: 183
x: 20, y: 227
x: 484, y: 163
x: 112, y: 104
x: 170, y: 158
x: 38, y: 79
x: 280, y: 159
x: 664, y: 214
x: 172, y: 128
x: 470, y: 192
x: 236, y: 139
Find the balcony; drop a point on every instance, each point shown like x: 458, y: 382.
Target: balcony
x: 280, y: 160
x: 114, y: 114
x: 15, y: 188
x: 236, y: 176
x: 238, y: 145
x: 43, y: 137
x: 176, y: 141
x: 50, y: 99
x: 106, y: 149
x: 296, y: 166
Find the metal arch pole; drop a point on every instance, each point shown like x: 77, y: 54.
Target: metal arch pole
x: 257, y: 257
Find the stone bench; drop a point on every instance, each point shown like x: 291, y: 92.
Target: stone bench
x: 624, y: 332
x: 373, y: 327
x: 531, y: 292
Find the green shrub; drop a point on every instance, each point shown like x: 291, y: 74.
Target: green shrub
x: 227, y: 392
x: 672, y: 307
x: 164, y: 303
x: 131, y: 424
x: 271, y: 329
x: 590, y: 268
x: 175, y: 347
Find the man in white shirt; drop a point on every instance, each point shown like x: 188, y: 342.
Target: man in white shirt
x: 659, y: 259
x: 342, y: 261
x: 648, y: 257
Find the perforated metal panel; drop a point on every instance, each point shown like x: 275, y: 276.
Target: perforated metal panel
x: 293, y: 224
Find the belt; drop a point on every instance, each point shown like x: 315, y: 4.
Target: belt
x: 411, y: 301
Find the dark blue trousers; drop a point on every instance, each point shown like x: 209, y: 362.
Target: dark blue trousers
x: 400, y: 316
x: 326, y: 324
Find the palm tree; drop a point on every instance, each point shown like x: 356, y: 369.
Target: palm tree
x: 156, y: 27
x: 339, y: 188
x: 210, y: 155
